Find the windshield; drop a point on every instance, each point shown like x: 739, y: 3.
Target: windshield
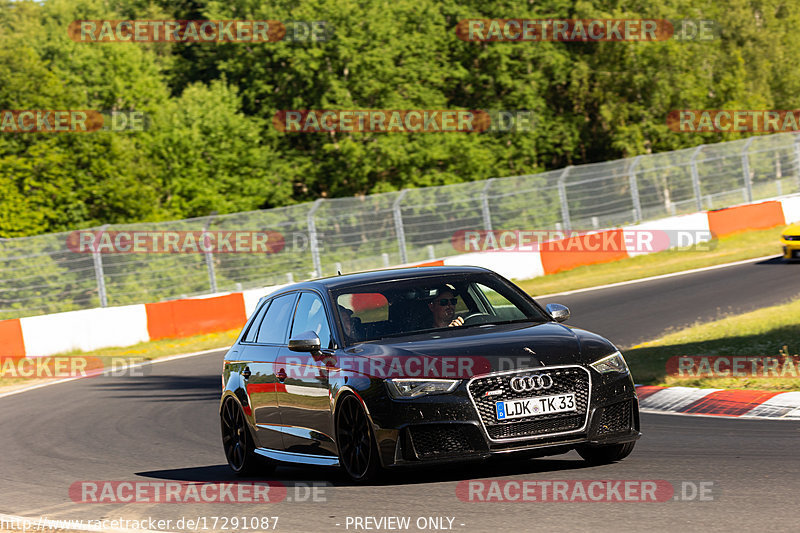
x: 397, y: 308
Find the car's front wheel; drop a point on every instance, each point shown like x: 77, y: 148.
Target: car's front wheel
x: 358, y: 453
x: 602, y: 455
x: 238, y: 443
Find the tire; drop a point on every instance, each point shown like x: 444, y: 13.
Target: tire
x: 358, y: 452
x: 603, y: 455
x: 238, y: 442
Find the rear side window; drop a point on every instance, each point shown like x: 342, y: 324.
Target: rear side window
x: 310, y: 316
x: 276, y: 320
x: 253, y: 331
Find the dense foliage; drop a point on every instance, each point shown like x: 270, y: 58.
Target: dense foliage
x: 211, y: 146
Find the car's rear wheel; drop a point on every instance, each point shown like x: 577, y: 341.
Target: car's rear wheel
x: 358, y: 453
x: 237, y: 441
x: 609, y: 453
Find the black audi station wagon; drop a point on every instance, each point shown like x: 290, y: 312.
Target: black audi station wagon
x: 419, y: 366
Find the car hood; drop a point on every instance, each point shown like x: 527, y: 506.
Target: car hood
x: 465, y: 352
x: 792, y: 229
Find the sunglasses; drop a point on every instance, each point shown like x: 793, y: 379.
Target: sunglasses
x: 444, y: 302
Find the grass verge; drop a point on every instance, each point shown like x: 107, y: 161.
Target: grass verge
x: 765, y: 332
x: 725, y: 250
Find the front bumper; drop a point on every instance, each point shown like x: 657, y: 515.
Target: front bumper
x: 791, y: 249
x: 447, y: 428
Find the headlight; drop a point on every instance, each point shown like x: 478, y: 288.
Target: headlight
x: 413, y: 388
x: 612, y: 363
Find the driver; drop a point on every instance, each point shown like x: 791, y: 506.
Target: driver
x: 346, y: 316
x: 443, y: 308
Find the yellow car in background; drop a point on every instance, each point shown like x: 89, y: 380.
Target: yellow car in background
x: 790, y: 239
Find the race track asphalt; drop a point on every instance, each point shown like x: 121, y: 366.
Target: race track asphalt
x: 164, y: 427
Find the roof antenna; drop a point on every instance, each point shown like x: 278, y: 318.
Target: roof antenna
x: 339, y: 272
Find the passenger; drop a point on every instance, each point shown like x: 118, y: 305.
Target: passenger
x: 443, y: 308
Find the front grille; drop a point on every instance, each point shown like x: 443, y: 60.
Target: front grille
x: 792, y: 237
x: 574, y: 379
x: 616, y: 418
x: 441, y: 440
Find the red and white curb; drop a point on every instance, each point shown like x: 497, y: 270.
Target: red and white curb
x: 731, y: 403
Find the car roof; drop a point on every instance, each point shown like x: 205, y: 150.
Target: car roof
x: 394, y: 274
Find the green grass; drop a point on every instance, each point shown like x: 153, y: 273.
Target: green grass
x: 766, y: 332
x: 726, y: 250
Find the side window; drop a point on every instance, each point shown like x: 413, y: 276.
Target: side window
x: 251, y: 333
x: 310, y: 316
x: 276, y: 320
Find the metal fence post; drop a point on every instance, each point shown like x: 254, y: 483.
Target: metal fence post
x: 312, y: 237
x: 562, y: 193
x: 797, y: 159
x: 487, y: 215
x: 212, y: 276
x: 696, y: 177
x: 637, y: 205
x: 398, y: 226
x: 97, y: 258
x: 748, y: 181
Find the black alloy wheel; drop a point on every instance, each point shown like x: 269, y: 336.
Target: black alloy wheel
x: 358, y: 453
x: 237, y: 442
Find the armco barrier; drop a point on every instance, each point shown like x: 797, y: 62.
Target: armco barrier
x: 600, y: 247
x: 791, y: 209
x: 745, y: 218
x: 11, y: 341
x: 92, y: 329
x: 184, y: 318
x: 693, y: 225
x: 86, y: 330
x: 516, y: 265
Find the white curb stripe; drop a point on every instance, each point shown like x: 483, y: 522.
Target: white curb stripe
x: 674, y: 399
x: 785, y: 405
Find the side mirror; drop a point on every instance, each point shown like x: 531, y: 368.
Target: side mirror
x: 305, y: 342
x: 559, y: 312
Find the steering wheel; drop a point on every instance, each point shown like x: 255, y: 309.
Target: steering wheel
x: 475, y: 318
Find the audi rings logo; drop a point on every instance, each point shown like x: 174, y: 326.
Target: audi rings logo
x: 531, y: 383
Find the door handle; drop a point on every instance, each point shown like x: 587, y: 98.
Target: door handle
x: 281, y: 375
x: 246, y: 372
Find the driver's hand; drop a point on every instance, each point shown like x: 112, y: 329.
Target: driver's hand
x: 458, y: 321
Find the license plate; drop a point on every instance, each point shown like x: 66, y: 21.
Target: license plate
x: 541, y: 405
